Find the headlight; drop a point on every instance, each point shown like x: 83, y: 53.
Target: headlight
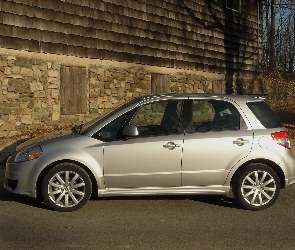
x: 28, y: 155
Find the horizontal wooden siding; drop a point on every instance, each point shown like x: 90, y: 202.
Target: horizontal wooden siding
x: 162, y: 33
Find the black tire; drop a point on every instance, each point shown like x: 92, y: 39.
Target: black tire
x: 257, y: 187
x: 66, y: 187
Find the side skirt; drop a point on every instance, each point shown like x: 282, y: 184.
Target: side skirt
x: 217, y: 190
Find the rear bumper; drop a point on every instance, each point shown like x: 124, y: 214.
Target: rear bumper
x: 288, y: 166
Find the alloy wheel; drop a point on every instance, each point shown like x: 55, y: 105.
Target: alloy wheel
x: 258, y: 188
x: 66, y: 189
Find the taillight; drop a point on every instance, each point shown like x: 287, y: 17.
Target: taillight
x: 282, y: 138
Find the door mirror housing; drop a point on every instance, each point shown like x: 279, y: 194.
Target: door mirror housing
x: 130, y: 130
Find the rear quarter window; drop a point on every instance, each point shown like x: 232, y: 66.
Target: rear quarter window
x: 264, y: 114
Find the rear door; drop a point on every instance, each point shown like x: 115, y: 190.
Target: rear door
x: 217, y: 140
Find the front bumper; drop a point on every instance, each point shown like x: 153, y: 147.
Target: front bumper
x: 21, y: 178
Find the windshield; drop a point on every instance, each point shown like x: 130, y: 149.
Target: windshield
x: 84, y: 128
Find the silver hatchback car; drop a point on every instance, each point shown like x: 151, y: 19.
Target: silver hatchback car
x: 161, y: 145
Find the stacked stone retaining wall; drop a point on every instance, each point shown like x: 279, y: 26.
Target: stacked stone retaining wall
x: 30, y: 91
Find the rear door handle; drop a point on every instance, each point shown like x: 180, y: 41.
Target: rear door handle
x: 240, y: 141
x: 171, y: 145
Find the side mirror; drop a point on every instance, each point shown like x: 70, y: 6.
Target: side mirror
x: 130, y: 130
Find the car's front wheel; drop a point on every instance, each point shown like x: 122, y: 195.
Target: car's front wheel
x: 66, y: 187
x: 257, y: 187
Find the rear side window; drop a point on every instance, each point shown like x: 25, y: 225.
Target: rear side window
x: 264, y: 114
x: 214, y: 115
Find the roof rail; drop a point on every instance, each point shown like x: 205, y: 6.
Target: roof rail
x: 258, y: 96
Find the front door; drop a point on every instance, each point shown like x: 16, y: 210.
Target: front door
x: 151, y: 159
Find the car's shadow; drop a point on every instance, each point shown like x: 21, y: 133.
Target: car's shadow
x: 217, y: 200
x: 222, y: 201
x: 7, y: 196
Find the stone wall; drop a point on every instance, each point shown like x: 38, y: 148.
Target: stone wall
x: 111, y: 86
x: 30, y: 91
x: 29, y: 95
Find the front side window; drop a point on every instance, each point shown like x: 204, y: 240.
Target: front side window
x: 214, y: 115
x: 153, y: 119
x: 158, y: 118
x: 113, y: 131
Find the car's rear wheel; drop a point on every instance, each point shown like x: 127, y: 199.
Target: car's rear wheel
x: 257, y: 187
x: 66, y: 187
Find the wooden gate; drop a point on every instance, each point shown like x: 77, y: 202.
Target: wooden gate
x: 160, y: 84
x: 73, y: 96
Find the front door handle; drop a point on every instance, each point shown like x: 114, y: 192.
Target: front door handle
x: 240, y: 141
x: 171, y: 145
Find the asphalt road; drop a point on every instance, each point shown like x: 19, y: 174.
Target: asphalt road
x: 176, y: 222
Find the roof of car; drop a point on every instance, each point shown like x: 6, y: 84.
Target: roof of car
x: 204, y: 95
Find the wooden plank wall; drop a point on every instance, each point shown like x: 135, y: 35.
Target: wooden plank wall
x: 170, y: 33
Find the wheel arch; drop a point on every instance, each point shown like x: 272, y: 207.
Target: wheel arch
x: 53, y: 164
x: 266, y: 162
